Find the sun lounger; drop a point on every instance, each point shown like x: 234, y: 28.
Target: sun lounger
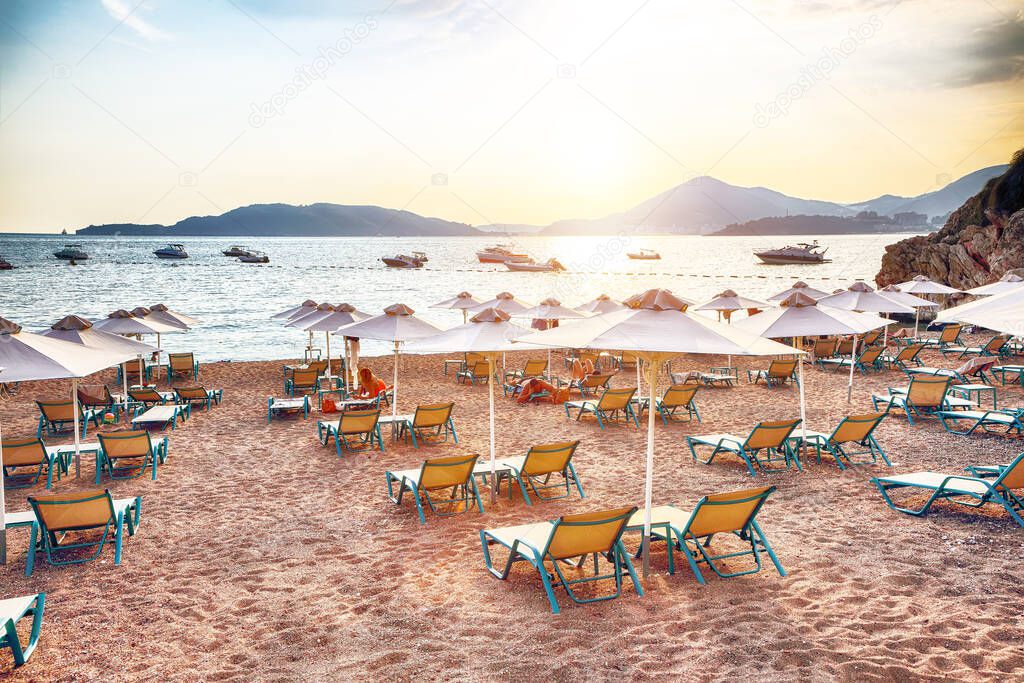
x: 867, y: 360
x: 98, y: 399
x: 612, y: 404
x: 767, y: 443
x: 13, y: 610
x: 355, y: 430
x: 535, y: 469
x: 182, y: 365
x: 283, y: 406
x: 25, y: 460
x: 304, y: 381
x: 925, y: 395
x: 477, y: 373
x: 589, y: 384
x: 949, y: 336
x: 940, y: 372
x: 872, y: 338
x: 129, y: 372
x: 58, y: 416
x: 1003, y: 370
x: 987, y: 484
x: 430, y: 423
x: 996, y: 346
x: 1002, y: 421
x: 907, y: 357
x: 825, y: 348
x: 162, y: 416
x: 68, y: 514
x: 149, y: 397
x: 453, y: 474
x: 126, y: 455
x: 723, y: 513
x: 199, y: 396
x: 778, y: 373
x: 535, y: 367
x: 851, y: 432
x: 677, y: 400
x: 568, y: 540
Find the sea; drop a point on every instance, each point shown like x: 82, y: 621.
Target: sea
x: 235, y: 301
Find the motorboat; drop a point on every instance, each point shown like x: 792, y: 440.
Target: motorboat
x: 236, y: 250
x: 253, y: 256
x: 5, y: 264
x: 420, y: 256
x: 71, y: 252
x: 644, y: 255
x: 800, y: 254
x: 550, y: 266
x: 499, y: 254
x: 171, y: 251
x: 402, y: 261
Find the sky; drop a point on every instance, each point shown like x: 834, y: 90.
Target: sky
x: 491, y: 111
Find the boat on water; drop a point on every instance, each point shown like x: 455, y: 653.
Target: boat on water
x: 236, y: 250
x: 802, y: 253
x: 550, y: 266
x: 71, y: 252
x: 171, y: 251
x: 644, y: 255
x: 420, y: 256
x: 253, y: 256
x: 5, y: 264
x: 402, y: 261
x: 499, y: 254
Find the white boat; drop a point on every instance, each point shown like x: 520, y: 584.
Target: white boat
x: 402, y: 261
x: 420, y: 256
x: 644, y: 255
x: 799, y: 254
x: 252, y: 256
x: 531, y: 266
x: 171, y: 251
x: 499, y: 254
x: 71, y: 252
x: 236, y: 250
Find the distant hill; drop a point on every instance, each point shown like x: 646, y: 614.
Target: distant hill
x: 813, y: 225
x: 938, y: 203
x: 312, y: 220
x: 511, y: 228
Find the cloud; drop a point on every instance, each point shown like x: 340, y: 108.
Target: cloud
x: 993, y: 54
x: 128, y: 15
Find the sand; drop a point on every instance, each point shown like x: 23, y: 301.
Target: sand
x: 262, y: 555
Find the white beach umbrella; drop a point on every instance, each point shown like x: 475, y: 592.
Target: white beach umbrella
x: 862, y: 298
x: 656, y: 328
x: 147, y: 315
x: 919, y: 284
x: 305, y: 307
x: 327, y: 321
x: 906, y: 298
x: 1002, y: 312
x: 1009, y: 282
x: 463, y: 301
x: 488, y: 333
x: 504, y: 302
x: 25, y: 356
x: 161, y: 313
x: 601, y: 304
x: 729, y: 301
x: 799, y: 287
x: 124, y: 323
x: 549, y: 311
x: 398, y: 325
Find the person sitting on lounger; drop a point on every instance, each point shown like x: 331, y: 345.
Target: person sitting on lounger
x: 581, y: 369
x: 370, y: 386
x: 532, y: 386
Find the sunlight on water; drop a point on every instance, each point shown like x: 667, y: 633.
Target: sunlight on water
x: 234, y: 301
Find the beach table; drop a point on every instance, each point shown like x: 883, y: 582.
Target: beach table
x: 396, y: 421
x: 279, y: 406
x: 482, y: 470
x: 1004, y: 370
x: 163, y: 415
x: 63, y: 453
x: 968, y: 390
x: 724, y: 375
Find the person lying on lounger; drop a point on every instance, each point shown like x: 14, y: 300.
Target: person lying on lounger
x: 535, y: 386
x: 370, y: 386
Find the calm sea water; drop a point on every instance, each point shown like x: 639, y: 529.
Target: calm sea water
x: 234, y: 301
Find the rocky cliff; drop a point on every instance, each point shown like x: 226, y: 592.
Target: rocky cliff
x: 981, y: 241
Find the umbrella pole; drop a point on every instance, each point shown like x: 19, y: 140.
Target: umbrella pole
x: 885, y: 340
x: 917, y: 318
x: 490, y: 399
x: 803, y: 401
x: 124, y: 386
x: 853, y: 361
x: 649, y: 477
x: 3, y: 507
x: 327, y: 343
x: 394, y: 386
x: 78, y: 443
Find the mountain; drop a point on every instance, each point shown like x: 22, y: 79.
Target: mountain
x: 815, y: 225
x: 312, y: 220
x: 938, y: 203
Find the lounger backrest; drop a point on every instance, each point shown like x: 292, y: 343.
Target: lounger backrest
x: 909, y: 353
x: 20, y: 452
x: 928, y: 391
x: 133, y: 444
x: 359, y: 421
x: 535, y: 367
x: 781, y: 369
x: 57, y: 411
x: 1013, y: 476
x: 317, y: 366
x: 725, y: 512
x: 871, y: 354
x: 616, y: 399
x: 950, y: 334
x: 305, y: 378
x: 95, y: 397
x: 771, y: 434
x: 481, y: 368
x: 73, y: 511
x: 679, y: 395
x: 856, y: 428
x: 192, y: 393
x: 181, y: 362
x: 845, y: 347
x: 629, y: 357
x: 996, y: 343
x: 549, y: 457
x: 442, y: 473
x: 824, y: 347
x: 589, y: 532
x: 145, y: 395
x: 474, y: 358
x: 131, y: 369
x: 432, y: 415
x: 595, y: 380
x: 588, y: 355
x: 871, y: 337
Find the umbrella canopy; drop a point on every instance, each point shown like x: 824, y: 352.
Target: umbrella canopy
x: 1001, y: 312
x: 161, y: 313
x: 80, y: 331
x: 339, y: 316
x: 907, y: 299
x: 919, y: 284
x: 602, y: 304
x: 1007, y: 283
x: 656, y: 327
x: 303, y: 321
x: 799, y: 315
x: 305, y: 307
x: 549, y: 309
x: 799, y: 287
x: 460, y: 302
x: 860, y: 297
x: 503, y: 302
x: 147, y: 316
x: 123, y: 322
x: 730, y: 301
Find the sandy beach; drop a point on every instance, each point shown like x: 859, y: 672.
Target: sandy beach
x: 262, y: 555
